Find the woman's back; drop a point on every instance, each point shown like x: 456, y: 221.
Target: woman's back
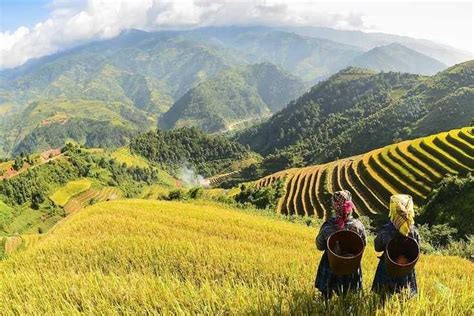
x: 330, y: 226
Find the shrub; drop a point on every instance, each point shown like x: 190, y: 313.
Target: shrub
x: 452, y: 203
x: 438, y: 236
x: 177, y: 194
x: 368, y: 224
x: 262, y: 198
x: 195, y: 193
x: 439, y: 239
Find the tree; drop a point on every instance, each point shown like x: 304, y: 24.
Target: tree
x: 36, y: 199
x: 18, y: 164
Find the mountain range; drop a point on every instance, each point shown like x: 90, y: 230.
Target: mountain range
x: 214, y: 78
x: 396, y: 57
x: 366, y: 41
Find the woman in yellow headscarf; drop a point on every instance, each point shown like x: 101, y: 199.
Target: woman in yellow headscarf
x: 402, y: 222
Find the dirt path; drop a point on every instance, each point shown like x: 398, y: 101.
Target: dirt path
x: 29, y: 167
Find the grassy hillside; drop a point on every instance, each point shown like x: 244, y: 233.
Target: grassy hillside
x: 235, y: 95
x: 123, y: 155
x: 43, y: 193
x: 140, y: 256
x: 396, y: 57
x: 48, y: 124
x: 356, y: 111
x: 412, y: 167
x: 6, y: 213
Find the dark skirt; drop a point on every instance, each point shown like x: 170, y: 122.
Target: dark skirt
x: 386, y: 284
x: 328, y: 283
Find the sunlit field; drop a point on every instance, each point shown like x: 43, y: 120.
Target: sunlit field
x: 63, y: 194
x: 139, y: 256
x: 123, y: 155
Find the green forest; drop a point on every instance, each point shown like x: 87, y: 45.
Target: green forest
x: 357, y: 110
x: 208, y: 155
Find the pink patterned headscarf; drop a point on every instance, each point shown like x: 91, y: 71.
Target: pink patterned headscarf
x: 342, y: 204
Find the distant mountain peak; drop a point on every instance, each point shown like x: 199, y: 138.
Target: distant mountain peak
x: 132, y: 32
x: 399, y: 58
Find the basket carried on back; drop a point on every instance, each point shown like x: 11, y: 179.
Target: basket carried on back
x: 401, y: 255
x: 345, y: 249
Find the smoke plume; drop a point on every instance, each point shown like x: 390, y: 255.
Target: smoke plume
x: 190, y: 178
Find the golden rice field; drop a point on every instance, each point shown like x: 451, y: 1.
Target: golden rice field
x: 412, y: 167
x: 85, y: 198
x: 158, y: 257
x: 62, y: 195
x: 123, y: 155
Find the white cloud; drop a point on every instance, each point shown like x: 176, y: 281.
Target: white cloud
x: 72, y: 22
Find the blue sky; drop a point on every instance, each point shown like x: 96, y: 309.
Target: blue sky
x: 16, y: 13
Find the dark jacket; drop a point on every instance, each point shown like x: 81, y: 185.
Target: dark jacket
x: 326, y: 281
x: 383, y: 282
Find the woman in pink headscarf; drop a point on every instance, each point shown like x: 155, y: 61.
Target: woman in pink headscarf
x: 326, y: 281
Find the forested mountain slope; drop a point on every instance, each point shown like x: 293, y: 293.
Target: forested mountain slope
x: 148, y: 70
x: 48, y: 124
x: 311, y: 59
x: 135, y: 74
x: 237, y: 94
x: 357, y: 110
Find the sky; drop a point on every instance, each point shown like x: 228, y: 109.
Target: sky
x: 35, y: 28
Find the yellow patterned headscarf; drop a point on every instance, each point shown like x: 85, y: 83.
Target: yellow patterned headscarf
x: 402, y: 213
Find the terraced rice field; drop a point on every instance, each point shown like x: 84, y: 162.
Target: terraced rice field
x: 97, y: 195
x: 412, y: 167
x: 72, y: 188
x: 218, y: 179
